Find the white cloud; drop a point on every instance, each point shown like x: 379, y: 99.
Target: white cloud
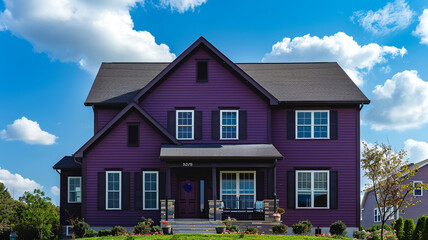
x: 355, y: 59
x: 422, y: 28
x: 16, y: 184
x: 393, y: 16
x: 28, y: 131
x: 182, y: 5
x: 400, y: 103
x: 85, y: 32
x: 416, y: 150
x: 55, y: 190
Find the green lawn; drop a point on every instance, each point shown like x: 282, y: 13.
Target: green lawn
x: 210, y: 236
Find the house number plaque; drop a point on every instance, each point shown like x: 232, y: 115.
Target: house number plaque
x: 187, y: 164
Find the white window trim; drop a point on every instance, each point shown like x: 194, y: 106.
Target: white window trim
x: 312, y: 124
x: 387, y: 212
x: 67, y: 231
x: 422, y: 189
x: 68, y: 189
x: 374, y: 215
x: 237, y: 125
x: 312, y: 191
x: 237, y: 184
x: 193, y: 124
x: 157, y: 191
x: 120, y: 190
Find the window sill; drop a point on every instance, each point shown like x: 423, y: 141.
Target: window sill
x: 133, y: 145
x: 312, y: 208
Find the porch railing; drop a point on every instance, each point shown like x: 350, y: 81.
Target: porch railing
x: 255, y: 213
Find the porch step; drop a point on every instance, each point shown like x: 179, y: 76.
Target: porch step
x: 194, y: 226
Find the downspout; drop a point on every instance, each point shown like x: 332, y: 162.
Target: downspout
x: 274, y: 185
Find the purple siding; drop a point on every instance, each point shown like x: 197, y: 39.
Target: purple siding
x: 103, y: 115
x: 112, y: 152
x: 223, y: 89
x: 68, y: 210
x: 413, y: 212
x: 340, y: 155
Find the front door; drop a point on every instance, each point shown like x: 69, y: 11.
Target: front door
x: 188, y: 205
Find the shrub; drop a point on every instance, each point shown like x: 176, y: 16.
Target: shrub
x: 118, y: 231
x: 388, y: 235
x: 409, y: 228
x: 279, y: 229
x: 91, y: 233
x: 338, y: 228
x: 80, y: 229
x: 234, y: 228
x: 376, y: 227
x: 229, y: 222
x: 251, y: 230
x: 360, y: 234
x: 104, y: 232
x: 302, y: 227
x: 425, y: 233
x: 142, y: 228
x: 157, y: 229
x: 398, y: 226
x: 417, y: 234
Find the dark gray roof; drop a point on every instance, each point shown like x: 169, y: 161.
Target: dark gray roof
x: 219, y: 152
x: 117, y: 83
x: 67, y: 162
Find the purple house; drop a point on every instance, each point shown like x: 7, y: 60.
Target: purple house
x: 205, y: 138
x: 370, y: 213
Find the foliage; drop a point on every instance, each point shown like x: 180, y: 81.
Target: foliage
x: 217, y: 236
x: 425, y: 233
x: 157, y: 229
x: 280, y: 210
x: 104, y: 232
x: 118, y: 231
x: 387, y: 234
x: 251, y: 230
x: 229, y: 222
x: 233, y: 228
x: 142, y: 228
x: 417, y: 234
x: 409, y: 228
x: 360, y: 234
x: 279, y: 229
x: 82, y: 229
x: 338, y: 228
x: 398, y: 226
x: 376, y: 227
x: 91, y: 233
x: 37, y: 214
x: 7, y: 204
x: 302, y: 227
x: 388, y: 172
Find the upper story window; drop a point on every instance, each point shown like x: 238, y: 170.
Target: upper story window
x: 185, y: 124
x: 312, y: 124
x: 133, y: 135
x: 74, y: 189
x: 418, y: 188
x: 113, y: 190
x: 150, y: 190
x: 312, y: 189
x: 388, y: 213
x: 202, y: 71
x: 229, y: 127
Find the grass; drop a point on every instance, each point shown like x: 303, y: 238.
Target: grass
x: 211, y: 236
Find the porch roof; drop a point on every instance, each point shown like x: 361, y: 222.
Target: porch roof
x: 219, y: 152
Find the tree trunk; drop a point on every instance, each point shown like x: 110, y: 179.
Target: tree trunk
x: 381, y: 230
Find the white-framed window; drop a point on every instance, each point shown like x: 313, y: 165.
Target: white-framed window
x: 376, y: 215
x: 185, y: 124
x: 113, y: 190
x: 68, y: 230
x: 312, y: 189
x: 74, y: 189
x: 229, y: 124
x: 388, y: 213
x: 150, y: 190
x: 418, y: 189
x: 312, y: 124
x: 238, y: 189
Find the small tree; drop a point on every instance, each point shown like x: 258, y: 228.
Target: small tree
x: 419, y: 230
x: 425, y: 233
x: 399, y: 228
x: 7, y: 204
x: 388, y: 173
x: 409, y: 228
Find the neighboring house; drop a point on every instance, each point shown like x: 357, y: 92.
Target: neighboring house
x: 370, y: 213
x: 202, y: 128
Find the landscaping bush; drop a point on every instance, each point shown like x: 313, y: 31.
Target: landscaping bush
x: 425, y: 233
x: 80, y: 229
x: 376, y: 227
x: 142, y: 227
x: 398, y: 226
x: 302, y: 227
x: 234, y: 228
x: 118, y: 231
x: 251, y: 230
x: 279, y: 229
x: 91, y: 233
x: 362, y: 234
x: 338, y: 228
x: 417, y: 234
x: 409, y: 228
x: 388, y: 235
x: 157, y: 229
x: 104, y: 232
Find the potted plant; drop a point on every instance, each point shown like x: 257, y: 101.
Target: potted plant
x: 278, y: 213
x: 221, y: 229
x: 166, y: 228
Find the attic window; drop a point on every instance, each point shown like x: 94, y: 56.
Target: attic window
x: 202, y: 71
x: 133, y: 135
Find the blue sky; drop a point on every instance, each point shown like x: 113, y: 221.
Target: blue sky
x: 50, y: 51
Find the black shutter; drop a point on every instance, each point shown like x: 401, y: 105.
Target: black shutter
x: 198, y: 125
x: 334, y: 190
x: 291, y: 190
x: 162, y: 185
x: 291, y: 124
x: 215, y: 125
x: 242, y: 125
x: 260, y: 185
x: 138, y: 190
x: 171, y: 122
x: 101, y: 191
x: 126, y: 190
x: 333, y: 124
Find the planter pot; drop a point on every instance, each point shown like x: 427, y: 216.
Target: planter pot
x: 277, y: 219
x: 167, y: 230
x: 220, y: 230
